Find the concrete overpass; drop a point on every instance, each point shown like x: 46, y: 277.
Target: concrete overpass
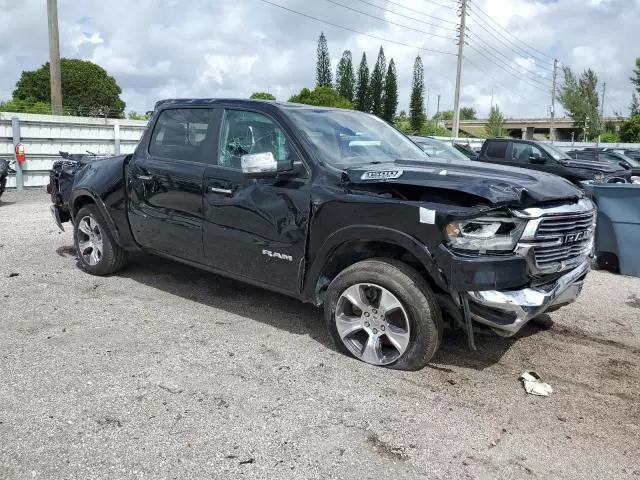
x: 527, y: 128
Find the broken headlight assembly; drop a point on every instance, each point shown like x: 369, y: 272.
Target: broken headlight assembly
x: 490, y: 233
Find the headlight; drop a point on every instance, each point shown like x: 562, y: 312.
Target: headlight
x: 485, y: 233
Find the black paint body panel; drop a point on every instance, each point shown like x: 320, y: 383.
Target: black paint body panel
x: 305, y: 217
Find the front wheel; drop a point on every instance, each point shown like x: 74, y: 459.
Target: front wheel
x: 381, y: 311
x: 98, y: 253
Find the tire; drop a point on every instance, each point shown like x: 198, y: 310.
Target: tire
x: 405, y: 336
x: 98, y: 253
x: 3, y: 184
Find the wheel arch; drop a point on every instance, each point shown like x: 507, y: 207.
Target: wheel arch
x: 83, y: 197
x: 356, y: 243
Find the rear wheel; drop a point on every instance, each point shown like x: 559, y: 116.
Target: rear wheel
x: 98, y: 253
x: 383, y: 312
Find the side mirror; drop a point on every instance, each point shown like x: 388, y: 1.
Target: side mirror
x: 537, y: 159
x: 625, y: 165
x: 262, y: 165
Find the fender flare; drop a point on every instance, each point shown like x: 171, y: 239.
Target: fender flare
x: 372, y: 233
x: 84, y: 192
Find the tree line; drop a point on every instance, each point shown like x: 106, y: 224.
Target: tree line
x: 373, y: 91
x: 579, y: 95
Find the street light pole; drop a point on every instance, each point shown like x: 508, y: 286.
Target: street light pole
x: 54, y: 57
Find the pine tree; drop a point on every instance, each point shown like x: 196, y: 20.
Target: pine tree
x: 345, y: 77
x: 416, y: 106
x: 390, y: 93
x: 362, y: 86
x: 376, y: 91
x: 323, y: 66
x: 495, y: 124
x: 635, y: 79
x: 634, y: 108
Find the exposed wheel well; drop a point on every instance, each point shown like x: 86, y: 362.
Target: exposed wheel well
x: 81, y: 202
x: 355, y: 251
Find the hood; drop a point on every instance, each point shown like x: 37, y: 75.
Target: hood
x: 497, y: 185
x: 604, y: 167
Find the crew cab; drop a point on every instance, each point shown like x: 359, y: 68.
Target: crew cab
x: 546, y: 158
x: 339, y: 209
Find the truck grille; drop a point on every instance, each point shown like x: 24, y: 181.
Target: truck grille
x: 557, y: 238
x: 572, y: 237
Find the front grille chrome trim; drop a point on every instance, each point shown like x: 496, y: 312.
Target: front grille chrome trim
x: 544, y: 243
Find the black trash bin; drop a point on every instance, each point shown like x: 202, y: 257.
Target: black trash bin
x: 618, y: 229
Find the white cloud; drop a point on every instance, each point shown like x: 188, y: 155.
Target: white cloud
x: 167, y: 48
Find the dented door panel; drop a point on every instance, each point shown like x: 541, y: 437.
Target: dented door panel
x: 255, y: 228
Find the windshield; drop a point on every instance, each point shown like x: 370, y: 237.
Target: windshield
x: 436, y: 148
x: 556, y: 153
x: 348, y: 139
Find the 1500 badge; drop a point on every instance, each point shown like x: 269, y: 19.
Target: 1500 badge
x: 281, y: 256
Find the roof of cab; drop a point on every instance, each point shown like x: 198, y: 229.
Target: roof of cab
x: 238, y: 102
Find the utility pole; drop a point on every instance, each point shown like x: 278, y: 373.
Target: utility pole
x: 438, y: 108
x: 426, y: 111
x: 54, y: 57
x: 552, y: 130
x: 461, y: 39
x: 491, y: 98
x: 604, y: 88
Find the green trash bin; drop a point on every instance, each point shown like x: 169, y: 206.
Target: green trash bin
x: 618, y: 225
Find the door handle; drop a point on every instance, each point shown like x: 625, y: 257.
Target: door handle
x: 225, y: 191
x: 144, y: 177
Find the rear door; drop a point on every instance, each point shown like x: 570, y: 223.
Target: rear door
x: 166, y: 184
x: 256, y: 228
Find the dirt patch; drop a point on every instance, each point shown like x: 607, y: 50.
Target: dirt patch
x: 634, y: 301
x: 385, y: 449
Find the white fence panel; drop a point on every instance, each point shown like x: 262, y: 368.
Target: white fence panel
x: 44, y: 136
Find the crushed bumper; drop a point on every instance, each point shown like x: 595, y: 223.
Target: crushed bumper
x: 58, y: 215
x: 506, y: 312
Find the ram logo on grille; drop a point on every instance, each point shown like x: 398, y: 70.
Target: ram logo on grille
x: 576, y: 237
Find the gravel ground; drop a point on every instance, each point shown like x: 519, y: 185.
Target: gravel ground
x: 164, y: 371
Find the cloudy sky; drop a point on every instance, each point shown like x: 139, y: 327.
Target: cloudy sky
x: 229, y: 48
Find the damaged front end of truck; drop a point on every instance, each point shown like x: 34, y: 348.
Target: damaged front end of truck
x: 505, y: 246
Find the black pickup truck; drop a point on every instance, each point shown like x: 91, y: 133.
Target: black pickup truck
x: 336, y: 208
x: 546, y: 158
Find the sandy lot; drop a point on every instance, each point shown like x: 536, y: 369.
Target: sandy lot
x: 164, y: 371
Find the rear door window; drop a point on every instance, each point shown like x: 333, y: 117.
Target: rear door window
x: 179, y: 134
x: 497, y: 149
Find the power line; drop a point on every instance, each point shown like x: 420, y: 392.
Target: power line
x: 420, y: 13
x: 508, y: 59
x: 513, y: 70
x: 389, y: 21
x: 438, y: 4
x: 504, y: 40
x: 355, y: 31
x: 519, y: 76
x: 412, y: 18
x: 511, y: 34
x: 492, y: 78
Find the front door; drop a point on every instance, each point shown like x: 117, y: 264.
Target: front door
x: 522, y: 153
x: 166, y: 184
x: 255, y: 229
